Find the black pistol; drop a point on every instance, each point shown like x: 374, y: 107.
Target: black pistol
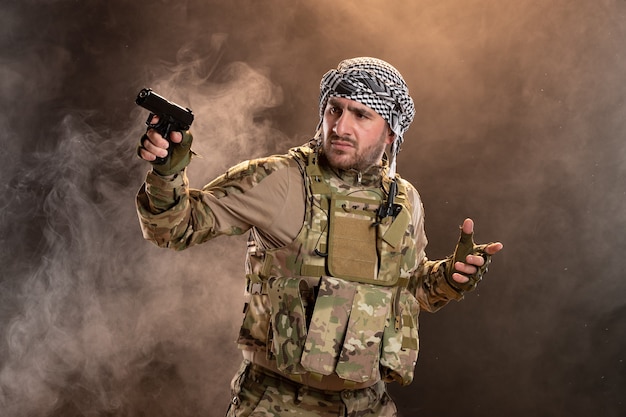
x: 172, y: 117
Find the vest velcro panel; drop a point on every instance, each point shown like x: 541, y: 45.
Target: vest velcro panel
x: 352, y: 250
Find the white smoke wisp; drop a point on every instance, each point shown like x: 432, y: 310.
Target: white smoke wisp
x: 228, y: 105
x: 105, y: 322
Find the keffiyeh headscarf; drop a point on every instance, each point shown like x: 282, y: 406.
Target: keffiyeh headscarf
x: 376, y: 84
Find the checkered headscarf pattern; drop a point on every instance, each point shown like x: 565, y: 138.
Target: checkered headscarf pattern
x: 374, y: 83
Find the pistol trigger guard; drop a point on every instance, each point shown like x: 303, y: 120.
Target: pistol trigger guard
x: 149, y: 122
x: 163, y: 126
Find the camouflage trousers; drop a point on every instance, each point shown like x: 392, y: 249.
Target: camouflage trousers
x: 258, y: 392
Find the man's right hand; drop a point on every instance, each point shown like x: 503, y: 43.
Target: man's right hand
x: 176, y: 152
x: 153, y: 145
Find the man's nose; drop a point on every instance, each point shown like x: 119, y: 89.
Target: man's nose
x: 343, y: 125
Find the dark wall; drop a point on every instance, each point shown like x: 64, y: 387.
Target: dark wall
x: 520, y: 125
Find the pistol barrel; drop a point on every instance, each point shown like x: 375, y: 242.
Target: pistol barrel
x: 162, y: 107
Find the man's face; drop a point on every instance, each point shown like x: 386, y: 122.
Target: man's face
x: 355, y: 136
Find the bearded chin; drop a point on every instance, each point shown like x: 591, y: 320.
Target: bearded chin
x: 360, y: 160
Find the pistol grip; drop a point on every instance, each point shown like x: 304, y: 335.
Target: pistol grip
x: 163, y: 128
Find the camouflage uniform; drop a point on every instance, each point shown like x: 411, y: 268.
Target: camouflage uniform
x: 333, y: 293
x: 265, y: 393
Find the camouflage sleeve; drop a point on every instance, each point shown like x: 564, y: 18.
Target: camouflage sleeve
x: 266, y: 193
x: 431, y: 287
x: 428, y: 282
x: 162, y: 206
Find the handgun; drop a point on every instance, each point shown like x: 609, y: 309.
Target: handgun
x: 172, y: 117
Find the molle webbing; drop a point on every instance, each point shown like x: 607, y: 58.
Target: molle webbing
x: 319, y: 189
x: 314, y: 173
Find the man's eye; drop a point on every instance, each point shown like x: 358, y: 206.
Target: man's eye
x: 333, y: 110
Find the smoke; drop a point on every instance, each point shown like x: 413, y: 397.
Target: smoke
x: 98, y: 308
x: 96, y: 320
x: 520, y: 125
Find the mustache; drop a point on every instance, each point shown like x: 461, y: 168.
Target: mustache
x: 335, y: 138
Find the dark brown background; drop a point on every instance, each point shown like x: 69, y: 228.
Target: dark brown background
x: 520, y: 124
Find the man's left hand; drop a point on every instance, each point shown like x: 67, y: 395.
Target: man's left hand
x: 472, y: 262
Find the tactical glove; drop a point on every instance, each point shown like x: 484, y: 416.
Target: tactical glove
x: 464, y: 247
x: 178, y: 155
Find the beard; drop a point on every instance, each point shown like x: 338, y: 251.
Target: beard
x: 345, y: 152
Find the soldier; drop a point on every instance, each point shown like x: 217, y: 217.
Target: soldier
x: 336, y: 272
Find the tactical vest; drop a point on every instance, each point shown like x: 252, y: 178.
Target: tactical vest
x: 335, y: 299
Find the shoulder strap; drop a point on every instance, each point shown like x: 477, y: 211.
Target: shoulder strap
x: 314, y: 174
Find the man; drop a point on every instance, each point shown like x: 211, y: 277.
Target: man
x: 336, y: 272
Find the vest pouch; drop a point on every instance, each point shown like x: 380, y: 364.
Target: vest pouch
x: 328, y: 325
x: 400, y: 347
x: 360, y: 353
x: 392, y: 232
x: 288, y: 322
x: 255, y: 327
x: 352, y: 253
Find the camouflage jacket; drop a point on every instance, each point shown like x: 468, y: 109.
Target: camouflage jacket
x: 306, y: 288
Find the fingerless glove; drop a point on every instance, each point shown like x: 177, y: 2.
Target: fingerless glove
x: 464, y: 247
x: 178, y: 157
